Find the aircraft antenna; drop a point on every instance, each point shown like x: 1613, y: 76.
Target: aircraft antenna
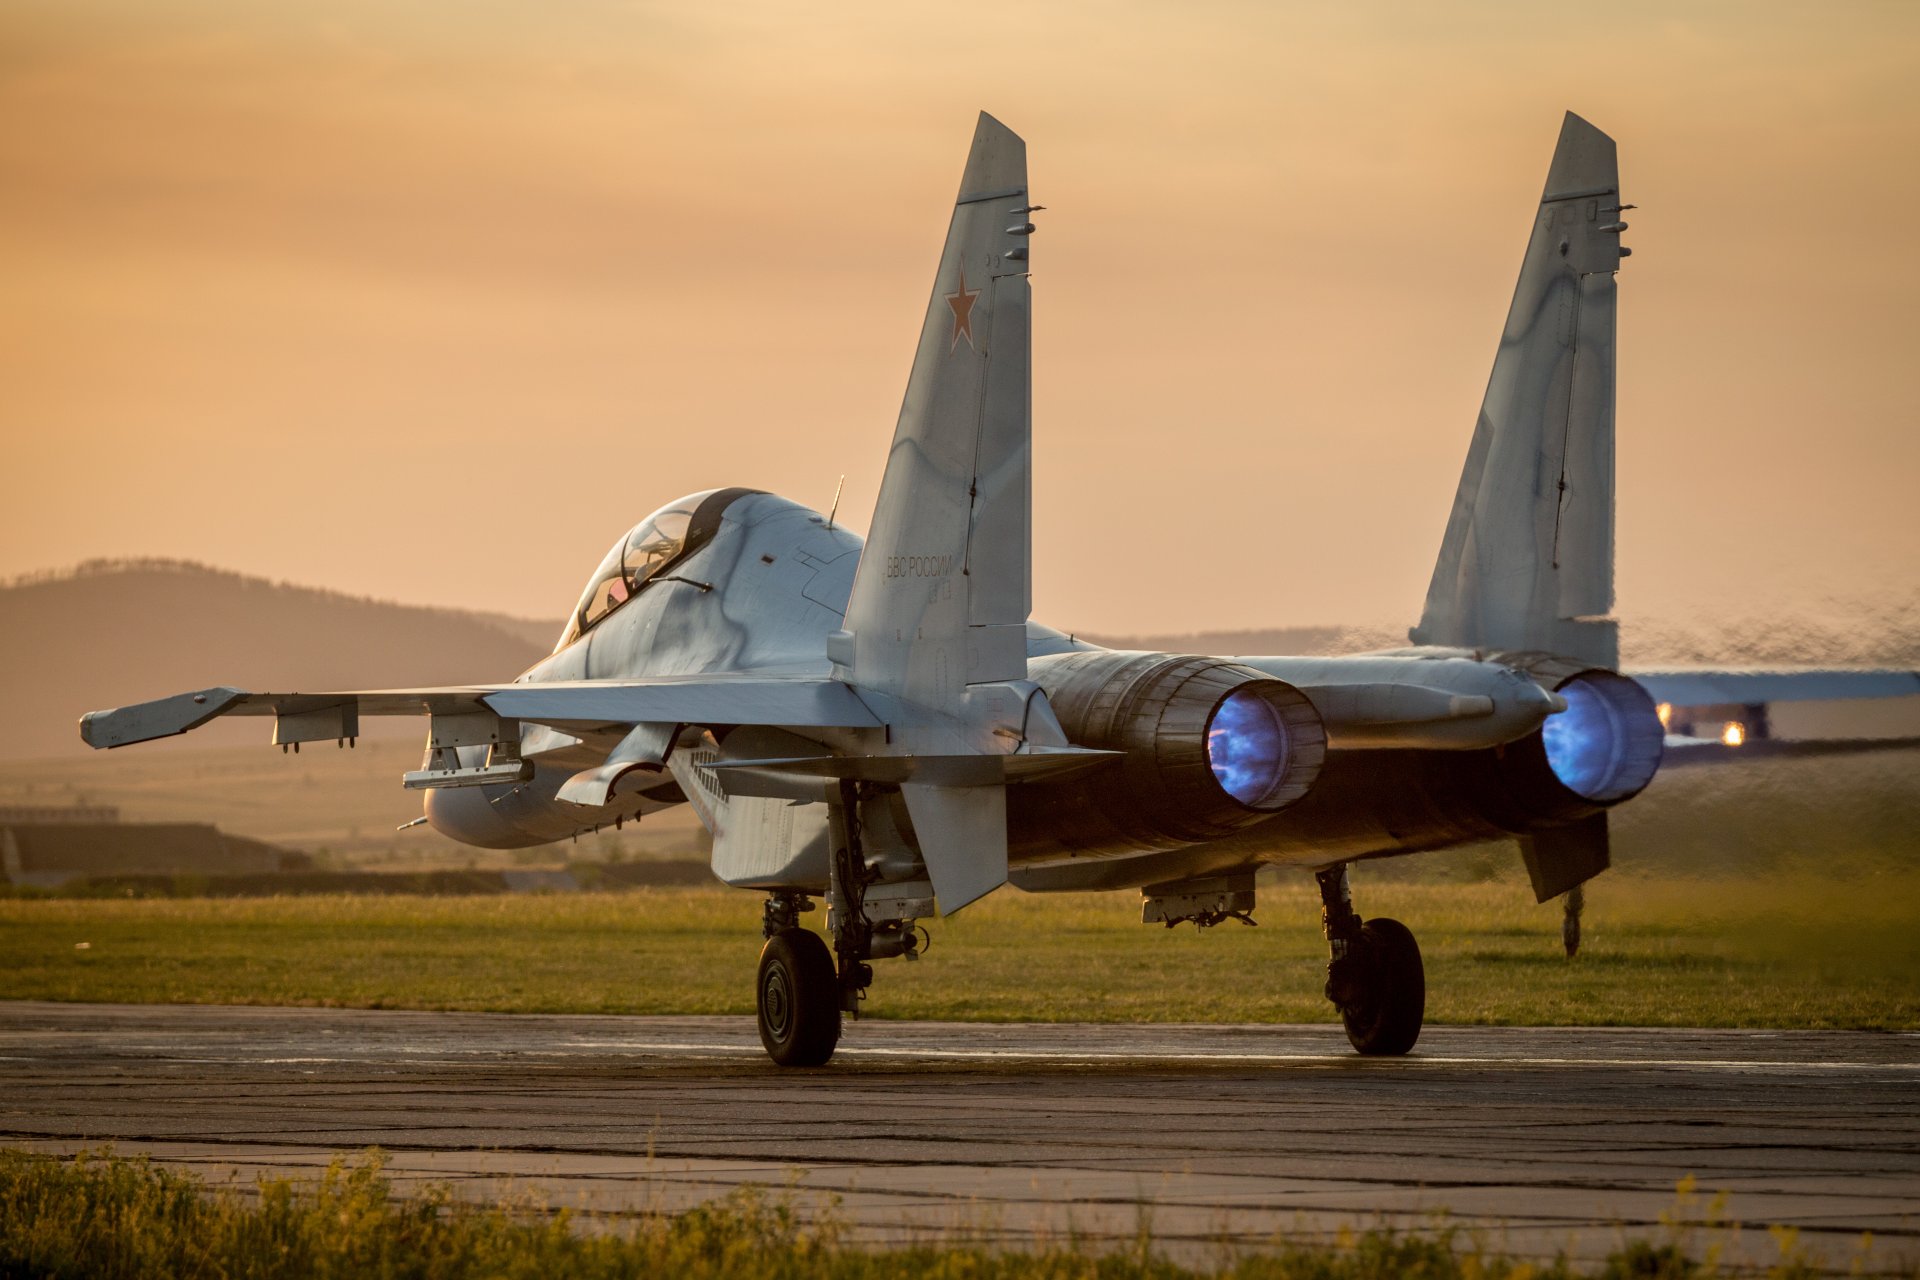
x: 835, y: 509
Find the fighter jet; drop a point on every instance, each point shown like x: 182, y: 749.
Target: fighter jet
x: 881, y: 725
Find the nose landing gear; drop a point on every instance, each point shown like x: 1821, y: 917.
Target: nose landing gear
x: 1375, y: 977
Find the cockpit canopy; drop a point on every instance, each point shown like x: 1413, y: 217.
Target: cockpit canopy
x: 664, y: 538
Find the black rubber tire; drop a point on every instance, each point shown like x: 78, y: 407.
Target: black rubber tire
x: 798, y: 999
x: 1386, y: 1022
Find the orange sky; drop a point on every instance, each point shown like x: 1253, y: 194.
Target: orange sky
x: 433, y: 300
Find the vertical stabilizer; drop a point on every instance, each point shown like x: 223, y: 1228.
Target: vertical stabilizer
x: 941, y: 597
x: 1527, y: 563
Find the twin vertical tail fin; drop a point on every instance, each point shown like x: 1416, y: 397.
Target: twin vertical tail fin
x: 942, y: 594
x: 941, y: 597
x: 1527, y: 562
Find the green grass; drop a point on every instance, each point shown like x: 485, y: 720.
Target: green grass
x: 100, y: 1216
x: 1788, y: 952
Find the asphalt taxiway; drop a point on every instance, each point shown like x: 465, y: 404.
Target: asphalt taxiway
x: 1546, y: 1139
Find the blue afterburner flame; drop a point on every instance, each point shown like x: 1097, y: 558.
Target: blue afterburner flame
x: 1606, y: 745
x: 1247, y: 748
x: 1579, y: 740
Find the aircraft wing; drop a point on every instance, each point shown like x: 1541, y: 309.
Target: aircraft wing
x: 1718, y: 716
x: 1694, y: 687
x: 707, y: 699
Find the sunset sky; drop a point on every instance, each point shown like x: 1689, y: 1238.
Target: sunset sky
x: 432, y: 300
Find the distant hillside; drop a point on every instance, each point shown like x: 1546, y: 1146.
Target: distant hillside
x: 538, y: 632
x: 118, y: 631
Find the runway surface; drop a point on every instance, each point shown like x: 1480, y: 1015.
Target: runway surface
x: 1548, y: 1139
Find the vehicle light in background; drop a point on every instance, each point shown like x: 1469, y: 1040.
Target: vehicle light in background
x: 1734, y: 734
x: 1665, y: 712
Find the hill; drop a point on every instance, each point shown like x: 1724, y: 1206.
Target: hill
x: 116, y: 631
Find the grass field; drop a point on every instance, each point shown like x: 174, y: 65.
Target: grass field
x: 101, y: 1216
x: 1788, y: 952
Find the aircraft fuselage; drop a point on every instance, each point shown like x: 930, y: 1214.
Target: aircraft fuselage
x: 771, y: 584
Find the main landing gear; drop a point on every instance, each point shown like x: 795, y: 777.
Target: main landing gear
x: 1375, y: 977
x: 797, y: 992
x: 803, y: 989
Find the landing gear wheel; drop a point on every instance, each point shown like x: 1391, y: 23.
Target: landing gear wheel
x: 1385, y: 991
x: 798, y: 999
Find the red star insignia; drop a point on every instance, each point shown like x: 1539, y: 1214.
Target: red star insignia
x: 961, y: 300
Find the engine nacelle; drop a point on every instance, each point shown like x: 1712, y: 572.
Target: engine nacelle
x: 1210, y: 747
x: 1602, y: 750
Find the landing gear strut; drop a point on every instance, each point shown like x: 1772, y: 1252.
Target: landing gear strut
x: 1375, y: 977
x: 846, y: 898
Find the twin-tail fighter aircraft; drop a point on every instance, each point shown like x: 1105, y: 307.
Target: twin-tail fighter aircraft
x: 881, y: 724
